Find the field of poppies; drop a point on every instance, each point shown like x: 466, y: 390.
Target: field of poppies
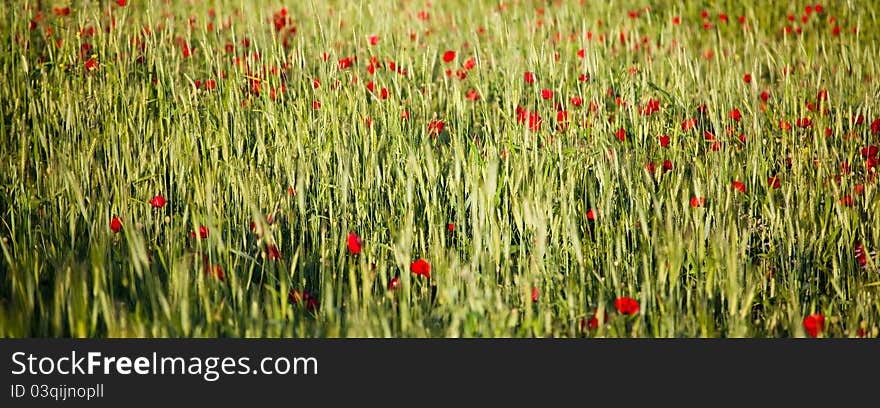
x: 439, y: 169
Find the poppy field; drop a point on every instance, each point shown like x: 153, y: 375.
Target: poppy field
x: 455, y: 168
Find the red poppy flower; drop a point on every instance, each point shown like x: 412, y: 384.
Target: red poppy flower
x: 576, y: 101
x: 591, y: 214
x: 765, y: 96
x: 814, y: 324
x: 562, y: 116
x: 215, y: 271
x: 158, y: 201
x: 116, y: 224
x: 870, y: 151
x: 747, y: 78
x: 698, y: 202
x: 394, y: 283
x: 472, y: 95
x: 295, y: 296
x: 620, y: 134
x: 667, y: 165
x: 688, y: 124
x: 374, y: 39
x: 773, y: 182
x: 272, y: 252
x: 529, y: 77
x: 875, y: 126
x: 860, y: 254
x: 524, y: 116
x: 448, y: 56
x: 450, y: 227
x: 735, y: 115
x: 312, y: 303
x: 739, y: 186
x: 344, y: 63
x: 435, y: 128
x: 593, y: 322
x: 534, y: 121
x: 664, y: 140
x: 354, y: 243
x: 547, y: 94
x: 203, y: 233
x: 421, y: 268
x: 187, y: 50
x: 626, y: 305
x: 92, y: 65
x: 255, y: 228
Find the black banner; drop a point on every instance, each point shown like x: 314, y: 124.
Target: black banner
x: 412, y: 372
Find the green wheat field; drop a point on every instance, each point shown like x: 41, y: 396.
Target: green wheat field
x: 450, y: 168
